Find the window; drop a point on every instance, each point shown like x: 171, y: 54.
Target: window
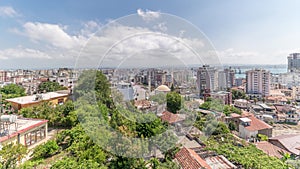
x: 35, y: 136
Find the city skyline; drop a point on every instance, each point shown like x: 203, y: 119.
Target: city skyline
x: 33, y: 36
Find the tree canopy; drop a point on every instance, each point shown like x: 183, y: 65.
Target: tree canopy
x: 50, y: 87
x: 12, y: 91
x: 173, y: 102
x: 238, y: 94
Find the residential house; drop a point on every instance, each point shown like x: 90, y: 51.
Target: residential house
x: 22, y: 130
x: 250, y: 126
x: 287, y: 113
x: 170, y: 118
x: 54, y: 98
x: 271, y: 149
x: 189, y: 159
x: 290, y: 143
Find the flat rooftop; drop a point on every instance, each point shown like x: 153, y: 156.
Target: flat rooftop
x: 32, y: 98
x: 23, y: 125
x: 265, y: 106
x: 245, y: 119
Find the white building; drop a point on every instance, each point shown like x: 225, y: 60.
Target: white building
x: 207, y: 79
x: 127, y: 91
x: 258, y: 82
x: 289, y: 79
x: 250, y: 126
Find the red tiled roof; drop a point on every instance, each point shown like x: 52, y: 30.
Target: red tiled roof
x: 270, y: 149
x: 170, y: 117
x: 142, y: 104
x: 257, y: 124
x: 189, y: 159
x: 290, y: 142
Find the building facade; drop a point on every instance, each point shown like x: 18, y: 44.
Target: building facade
x: 224, y: 97
x: 24, y: 131
x: 258, y: 82
x: 207, y: 79
x: 30, y: 101
x: 226, y: 79
x: 294, y: 62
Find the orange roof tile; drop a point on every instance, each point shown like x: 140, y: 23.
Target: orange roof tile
x: 189, y: 159
x: 170, y: 117
x: 257, y: 124
x: 270, y: 149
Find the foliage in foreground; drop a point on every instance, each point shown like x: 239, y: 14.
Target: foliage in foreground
x: 59, y: 116
x: 11, y: 154
x: 76, y: 148
x: 247, y: 155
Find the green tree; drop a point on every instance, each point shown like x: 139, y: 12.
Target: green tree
x: 172, y: 88
x: 11, y: 91
x: 231, y: 126
x: 238, y: 94
x: 72, y: 163
x: 160, y: 98
x: 50, y: 87
x: 92, y: 83
x: 127, y: 163
x: 231, y: 109
x: 150, y: 127
x: 173, y: 102
x: 205, y: 106
x: 11, y: 154
x: 221, y: 129
x: 46, y: 150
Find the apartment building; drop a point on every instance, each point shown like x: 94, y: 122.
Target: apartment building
x: 258, y: 82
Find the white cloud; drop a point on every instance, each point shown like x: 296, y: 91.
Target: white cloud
x: 52, y: 34
x: 89, y: 28
x: 7, y: 11
x: 21, y: 52
x: 161, y: 27
x: 141, y: 46
x: 233, y: 56
x: 148, y: 15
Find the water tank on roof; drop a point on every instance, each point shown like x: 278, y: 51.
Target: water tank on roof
x: 5, y: 118
x: 8, y: 118
x: 13, y: 118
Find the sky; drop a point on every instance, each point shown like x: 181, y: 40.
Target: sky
x: 47, y: 34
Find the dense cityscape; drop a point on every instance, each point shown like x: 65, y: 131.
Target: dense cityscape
x: 255, y: 113
x: 149, y: 84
